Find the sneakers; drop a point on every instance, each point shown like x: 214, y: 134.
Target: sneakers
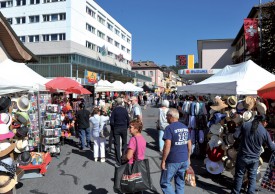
x: 102, y: 160
x: 96, y: 159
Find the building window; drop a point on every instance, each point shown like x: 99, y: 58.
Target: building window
x: 46, y: 37
x: 5, y: 4
x: 117, y: 44
x: 22, y: 38
x: 54, y: 17
x: 151, y: 73
x: 52, y: 1
x: 34, y: 19
x: 117, y: 31
x: 100, y: 34
x: 101, y: 20
x: 20, y: 2
x: 122, y: 47
x: 54, y: 37
x: 62, y: 36
x: 128, y: 51
x: 110, y: 40
x: 20, y: 20
x: 33, y: 2
x: 123, y: 36
x: 110, y: 27
x: 90, y: 45
x: 90, y: 12
x: 143, y: 73
x: 34, y: 38
x: 110, y: 54
x: 62, y: 16
x: 9, y: 20
x: 90, y: 28
x: 128, y: 40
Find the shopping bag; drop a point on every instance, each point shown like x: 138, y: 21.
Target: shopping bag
x: 190, y: 178
x: 119, y: 170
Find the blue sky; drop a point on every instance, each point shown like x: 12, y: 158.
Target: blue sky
x: 162, y: 29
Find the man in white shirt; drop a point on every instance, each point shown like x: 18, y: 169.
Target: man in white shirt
x: 136, y: 112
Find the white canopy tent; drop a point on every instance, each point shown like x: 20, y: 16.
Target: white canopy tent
x: 239, y: 79
x: 103, y: 86
x: 16, y: 77
x: 132, y: 88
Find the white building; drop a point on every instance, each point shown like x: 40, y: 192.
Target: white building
x: 71, y: 36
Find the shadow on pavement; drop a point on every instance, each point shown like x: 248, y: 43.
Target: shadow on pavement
x: 94, y: 190
x: 86, y: 153
x: 153, y: 133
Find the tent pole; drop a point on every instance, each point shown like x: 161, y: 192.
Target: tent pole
x: 39, y: 122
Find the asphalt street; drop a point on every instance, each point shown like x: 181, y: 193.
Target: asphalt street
x: 75, y: 172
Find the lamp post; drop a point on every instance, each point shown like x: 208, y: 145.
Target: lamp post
x: 260, y: 25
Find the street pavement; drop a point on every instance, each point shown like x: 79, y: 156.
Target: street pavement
x: 75, y: 172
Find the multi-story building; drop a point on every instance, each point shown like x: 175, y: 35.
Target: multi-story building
x: 71, y: 36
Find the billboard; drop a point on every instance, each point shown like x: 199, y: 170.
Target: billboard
x: 185, y: 61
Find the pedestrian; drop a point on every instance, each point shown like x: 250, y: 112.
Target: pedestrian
x: 163, y: 123
x: 83, y: 126
x: 135, y: 128
x: 136, y: 112
x: 120, y: 122
x: 104, y: 119
x: 252, y: 136
x: 145, y: 101
x: 176, y: 154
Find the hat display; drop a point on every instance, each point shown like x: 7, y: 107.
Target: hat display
x: 22, y: 117
x: 261, y: 108
x: 20, y: 145
x: 232, y: 101
x: 232, y: 153
x: 229, y: 164
x: 249, y: 102
x: 22, y: 131
x: 218, y: 117
x: 23, y: 103
x: 214, y: 167
x: 5, y: 133
x: 6, y: 182
x: 247, y: 116
x: 6, y: 148
x: 5, y: 118
x: 229, y: 139
x: 215, y: 141
x: 5, y: 103
x: 216, y: 129
x: 215, y: 154
x: 240, y: 107
x: 24, y: 159
x: 219, y: 105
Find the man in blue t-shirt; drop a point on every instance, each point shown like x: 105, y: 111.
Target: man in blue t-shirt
x: 176, y: 154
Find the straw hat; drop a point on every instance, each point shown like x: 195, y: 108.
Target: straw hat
x: 249, y: 102
x: 6, y: 182
x: 261, y: 108
x: 219, y: 105
x: 5, y: 118
x: 216, y: 129
x: 23, y: 103
x: 20, y: 145
x: 247, y: 116
x: 214, y: 167
x: 6, y: 148
x: 5, y: 133
x: 232, y: 101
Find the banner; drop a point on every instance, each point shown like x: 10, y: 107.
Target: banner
x: 185, y: 61
x: 90, y: 77
x: 251, y: 34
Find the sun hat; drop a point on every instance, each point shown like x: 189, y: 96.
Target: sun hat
x: 22, y: 131
x: 240, y: 107
x: 5, y: 118
x: 5, y: 103
x: 24, y: 158
x: 232, y: 153
x: 7, y: 161
x: 20, y: 145
x: 249, y: 102
x: 261, y: 108
x: 6, y: 148
x: 22, y: 117
x: 23, y: 103
x: 214, y: 167
x: 215, y: 154
x: 232, y: 101
x: 216, y: 129
x: 6, y: 182
x: 219, y: 105
x: 247, y: 116
x: 229, y: 164
x: 215, y: 141
x: 5, y: 133
x: 229, y: 139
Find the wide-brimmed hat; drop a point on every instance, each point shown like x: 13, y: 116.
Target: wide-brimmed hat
x: 5, y: 103
x: 247, y: 116
x: 219, y: 105
x: 5, y: 133
x: 20, y: 145
x: 229, y: 164
x: 215, y: 154
x: 214, y: 167
x: 261, y: 108
x: 5, y: 118
x: 216, y: 129
x: 215, y: 141
x: 231, y: 126
x: 232, y: 153
x: 22, y: 131
x: 6, y: 148
x: 249, y: 102
x: 229, y: 139
x: 23, y: 103
x: 232, y: 101
x: 6, y: 182
x: 9, y: 162
x: 24, y: 158
x: 22, y: 117
x: 240, y: 107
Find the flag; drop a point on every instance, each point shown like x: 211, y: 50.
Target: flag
x: 103, y: 50
x: 251, y: 34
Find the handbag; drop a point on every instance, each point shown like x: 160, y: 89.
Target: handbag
x: 130, y: 178
x: 190, y: 178
x: 104, y: 132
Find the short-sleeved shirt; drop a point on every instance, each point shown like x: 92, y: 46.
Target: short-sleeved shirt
x: 141, y: 147
x: 179, y: 135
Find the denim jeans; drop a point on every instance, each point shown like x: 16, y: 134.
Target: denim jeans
x: 161, y: 142
x: 82, y: 134
x: 243, y: 164
x: 176, y: 171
